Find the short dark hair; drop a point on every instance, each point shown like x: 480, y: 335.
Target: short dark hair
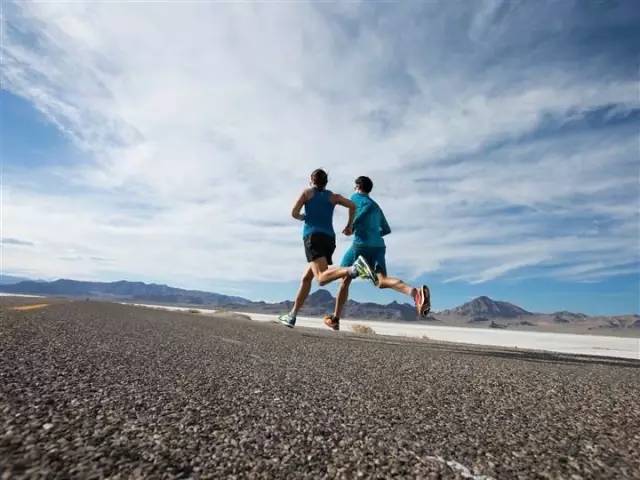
x: 364, y: 184
x: 319, y: 178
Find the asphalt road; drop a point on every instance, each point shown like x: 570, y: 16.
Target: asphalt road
x: 90, y: 390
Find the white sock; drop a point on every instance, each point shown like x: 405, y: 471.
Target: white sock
x: 352, y: 272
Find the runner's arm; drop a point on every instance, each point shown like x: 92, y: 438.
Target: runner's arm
x: 385, y: 229
x: 340, y: 200
x: 362, y: 213
x: 295, y: 211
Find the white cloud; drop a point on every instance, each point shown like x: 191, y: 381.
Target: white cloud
x: 205, y: 120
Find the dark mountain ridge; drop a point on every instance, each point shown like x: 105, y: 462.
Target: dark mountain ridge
x: 486, y: 307
x: 11, y: 279
x: 122, y: 289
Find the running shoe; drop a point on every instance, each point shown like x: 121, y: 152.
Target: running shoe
x: 287, y: 320
x: 422, y: 299
x: 364, y: 270
x: 332, y: 322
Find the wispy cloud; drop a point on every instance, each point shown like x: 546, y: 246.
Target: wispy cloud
x: 497, y: 140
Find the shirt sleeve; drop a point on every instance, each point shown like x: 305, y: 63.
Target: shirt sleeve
x: 362, y: 213
x: 385, y: 229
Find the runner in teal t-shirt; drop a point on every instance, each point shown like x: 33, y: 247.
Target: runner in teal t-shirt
x: 369, y: 226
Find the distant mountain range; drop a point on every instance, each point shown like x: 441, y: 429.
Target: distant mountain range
x: 318, y: 303
x: 479, y: 312
x: 11, y: 279
x: 138, y: 291
x: 322, y: 302
x: 485, y: 312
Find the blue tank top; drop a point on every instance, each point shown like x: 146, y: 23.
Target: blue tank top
x: 318, y: 214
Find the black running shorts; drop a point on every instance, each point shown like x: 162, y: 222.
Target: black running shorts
x: 319, y: 245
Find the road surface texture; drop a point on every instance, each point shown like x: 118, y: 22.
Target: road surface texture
x: 94, y: 390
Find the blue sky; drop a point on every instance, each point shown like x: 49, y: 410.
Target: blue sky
x: 166, y: 142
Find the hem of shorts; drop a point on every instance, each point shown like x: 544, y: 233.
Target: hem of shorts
x: 332, y: 235
x: 364, y: 245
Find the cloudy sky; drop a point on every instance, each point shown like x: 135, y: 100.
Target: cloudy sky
x: 166, y: 142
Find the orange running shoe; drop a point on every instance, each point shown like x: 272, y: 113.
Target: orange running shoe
x: 332, y: 322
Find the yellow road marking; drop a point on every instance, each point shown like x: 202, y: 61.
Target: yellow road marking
x: 30, y: 307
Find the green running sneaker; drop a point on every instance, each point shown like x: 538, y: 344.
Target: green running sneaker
x: 287, y: 320
x: 364, y: 270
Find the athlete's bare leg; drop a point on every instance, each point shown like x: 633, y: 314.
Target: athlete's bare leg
x: 395, y: 283
x: 343, y: 295
x: 318, y: 268
x: 303, y: 291
x: 324, y: 274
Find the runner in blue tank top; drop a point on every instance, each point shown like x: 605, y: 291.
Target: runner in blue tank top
x: 320, y: 240
x: 369, y: 226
